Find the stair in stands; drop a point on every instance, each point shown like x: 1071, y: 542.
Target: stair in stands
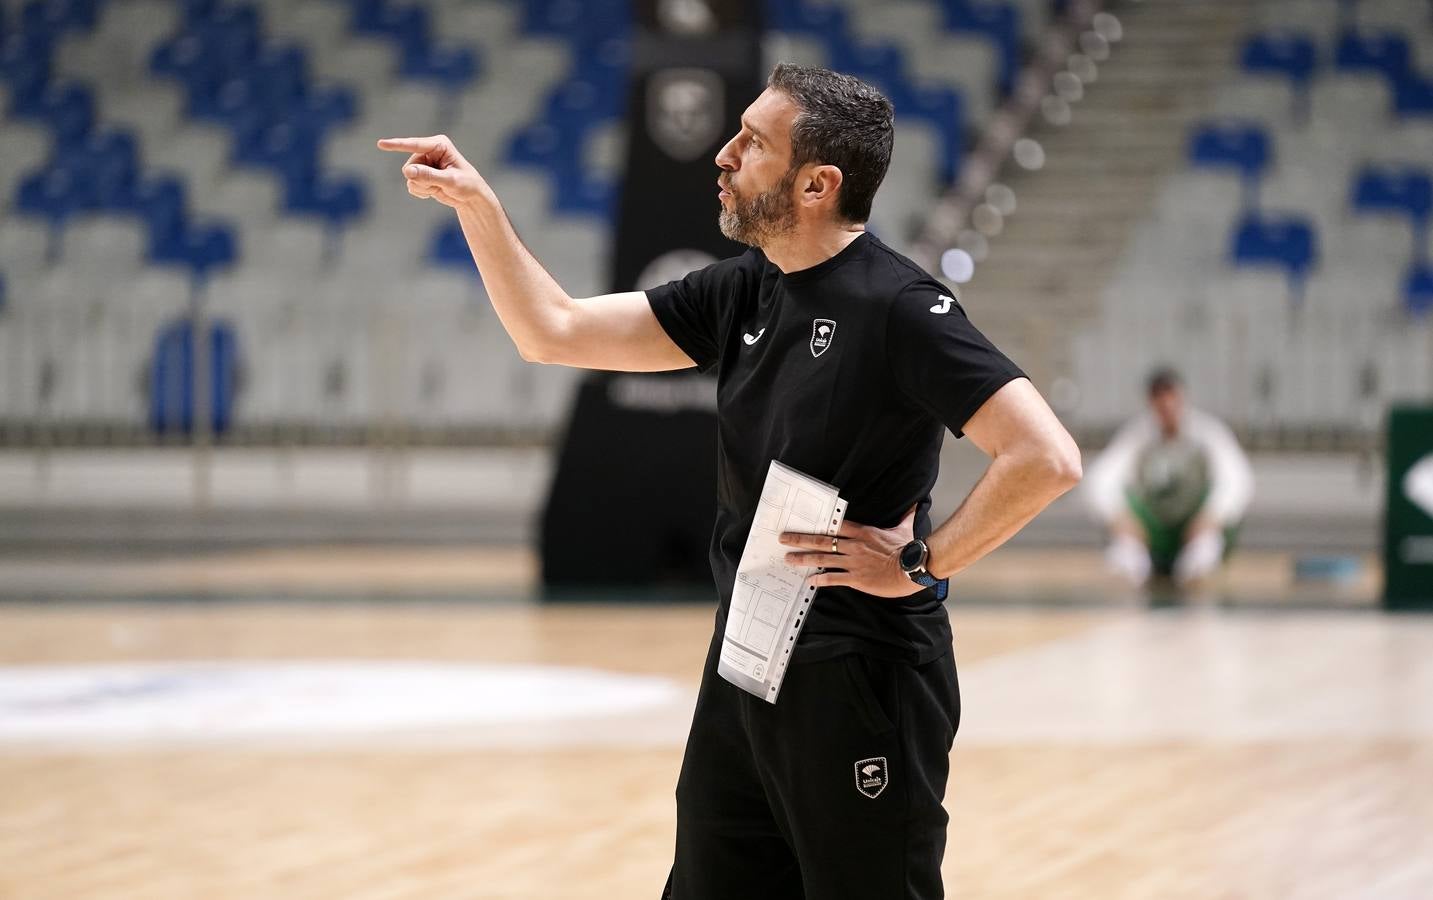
x: 1045, y: 273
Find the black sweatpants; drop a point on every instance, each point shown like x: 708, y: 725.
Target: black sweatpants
x: 833, y: 793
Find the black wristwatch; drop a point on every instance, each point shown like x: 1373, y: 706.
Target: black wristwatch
x: 913, y: 561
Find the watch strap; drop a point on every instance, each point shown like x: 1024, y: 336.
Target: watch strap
x: 926, y: 579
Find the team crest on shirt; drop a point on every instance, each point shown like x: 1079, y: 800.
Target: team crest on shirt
x: 872, y: 776
x: 822, y: 333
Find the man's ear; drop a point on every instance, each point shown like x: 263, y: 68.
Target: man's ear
x: 821, y: 185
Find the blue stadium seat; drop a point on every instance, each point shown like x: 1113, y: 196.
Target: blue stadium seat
x: 579, y: 194
x: 537, y: 144
x: 279, y: 76
x: 213, y: 246
x: 174, y: 240
x: 51, y: 193
x: 1242, y: 146
x: 370, y: 17
x: 282, y: 145
x: 162, y: 206
x: 1288, y: 242
x: 68, y: 110
x: 337, y: 199
x: 944, y: 109
x: 1291, y: 54
x: 1412, y: 95
x: 1386, y: 53
x: 800, y: 17
x: 198, y: 10
x: 1418, y: 290
x: 999, y: 22
x: 448, y: 67
x: 182, y: 57
x: 579, y: 103
x: 880, y: 64
x: 410, y: 28
x: 199, y: 248
x: 25, y: 65
x: 231, y: 35
x: 171, y: 377
x: 378, y: 18
x: 54, y: 17
x: 569, y: 18
x: 330, y: 106
x: 1407, y: 190
x: 449, y: 249
x: 107, y: 167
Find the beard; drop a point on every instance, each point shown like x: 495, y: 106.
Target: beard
x: 768, y: 215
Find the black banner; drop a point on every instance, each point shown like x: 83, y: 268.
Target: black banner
x: 688, y: 89
x: 633, y: 499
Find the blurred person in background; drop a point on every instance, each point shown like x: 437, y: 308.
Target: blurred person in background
x: 1172, y: 487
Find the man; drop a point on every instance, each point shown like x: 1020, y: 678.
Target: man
x: 844, y: 360
x: 1172, y: 487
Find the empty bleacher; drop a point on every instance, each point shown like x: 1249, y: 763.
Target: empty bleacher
x: 1285, y: 267
x: 161, y: 157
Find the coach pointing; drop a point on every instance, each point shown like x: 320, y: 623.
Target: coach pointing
x: 843, y: 359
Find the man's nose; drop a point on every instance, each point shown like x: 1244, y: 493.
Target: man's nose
x: 725, y: 158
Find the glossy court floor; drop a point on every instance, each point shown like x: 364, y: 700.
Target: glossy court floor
x: 240, y: 726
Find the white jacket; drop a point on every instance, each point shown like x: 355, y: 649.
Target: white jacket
x: 1231, y: 478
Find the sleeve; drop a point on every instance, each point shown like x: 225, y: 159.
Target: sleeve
x: 939, y: 359
x: 1231, y: 477
x: 694, y: 310
x: 1103, y: 487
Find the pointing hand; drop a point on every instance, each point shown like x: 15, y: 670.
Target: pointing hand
x: 436, y: 169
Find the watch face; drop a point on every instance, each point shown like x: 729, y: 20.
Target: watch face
x: 912, y: 556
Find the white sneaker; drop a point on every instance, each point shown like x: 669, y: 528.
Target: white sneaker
x: 1199, y: 558
x: 1129, y: 559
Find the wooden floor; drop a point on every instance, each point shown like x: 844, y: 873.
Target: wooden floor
x: 1107, y: 751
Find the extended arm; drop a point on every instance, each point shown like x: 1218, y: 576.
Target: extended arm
x: 616, y: 332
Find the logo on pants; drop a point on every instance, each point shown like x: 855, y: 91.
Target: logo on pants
x: 872, y: 776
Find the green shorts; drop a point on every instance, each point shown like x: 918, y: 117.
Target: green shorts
x: 1166, y: 538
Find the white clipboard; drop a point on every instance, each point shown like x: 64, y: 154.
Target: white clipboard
x: 771, y: 597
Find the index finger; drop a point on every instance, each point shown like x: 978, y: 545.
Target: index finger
x: 409, y: 145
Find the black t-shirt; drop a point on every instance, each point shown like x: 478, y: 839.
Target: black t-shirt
x: 848, y: 371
